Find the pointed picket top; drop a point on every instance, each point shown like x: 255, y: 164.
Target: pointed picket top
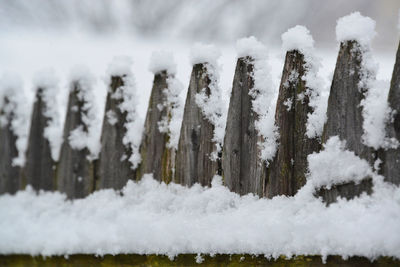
x: 390, y: 156
x: 44, y: 139
x: 245, y: 142
x: 75, y: 171
x: 158, y: 157
x: 197, y: 159
x: 352, y: 78
x: 122, y: 128
x: 287, y: 171
x: 13, y: 133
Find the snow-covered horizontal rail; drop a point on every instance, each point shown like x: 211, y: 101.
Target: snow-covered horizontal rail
x: 269, y: 145
x: 189, y: 260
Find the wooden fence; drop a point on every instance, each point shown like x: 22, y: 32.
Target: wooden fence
x: 239, y: 163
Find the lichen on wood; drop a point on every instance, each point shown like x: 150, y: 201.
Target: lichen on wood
x: 157, y: 157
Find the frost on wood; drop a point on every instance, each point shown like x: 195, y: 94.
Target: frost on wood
x: 299, y: 39
x: 194, y: 162
x: 120, y: 139
x: 163, y: 119
x: 158, y: 157
x: 244, y: 144
x: 262, y: 93
x: 390, y: 168
x: 350, y: 87
x: 75, y: 171
x: 287, y: 171
x: 45, y: 135
x: 209, y: 99
x: 13, y: 132
x: 199, y: 220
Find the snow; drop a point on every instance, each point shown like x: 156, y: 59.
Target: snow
x: 210, y: 104
x: 299, y: 38
x: 47, y: 81
x: 336, y: 165
x: 176, y: 105
x: 15, y: 112
x: 91, y: 117
x: 173, y: 103
x: 355, y: 27
x: 263, y: 93
x: 375, y: 109
x: 162, y: 61
x: 377, y: 114
x: 204, y: 53
x: 121, y: 66
x: 155, y: 218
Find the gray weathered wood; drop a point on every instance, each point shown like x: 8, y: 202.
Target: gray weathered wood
x: 243, y: 170
x: 75, y: 172
x: 40, y: 167
x: 391, y: 157
x: 286, y: 174
x: 10, y: 180
x: 344, y: 115
x: 348, y: 191
x: 114, y: 169
x: 156, y: 158
x: 193, y: 163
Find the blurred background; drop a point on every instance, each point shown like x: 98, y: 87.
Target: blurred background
x: 35, y: 34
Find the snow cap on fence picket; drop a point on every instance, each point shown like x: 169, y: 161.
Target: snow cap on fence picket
x: 120, y: 65
x: 204, y: 53
x: 162, y: 60
x: 250, y: 46
x: 355, y: 27
x: 297, y: 38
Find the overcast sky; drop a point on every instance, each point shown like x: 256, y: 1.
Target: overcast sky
x: 194, y: 20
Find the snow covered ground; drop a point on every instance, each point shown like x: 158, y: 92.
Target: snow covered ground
x: 153, y: 218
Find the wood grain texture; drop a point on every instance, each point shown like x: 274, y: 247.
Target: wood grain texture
x: 391, y: 157
x: 75, y: 173
x: 243, y: 171
x: 10, y: 176
x: 344, y: 115
x: 114, y: 169
x: 157, y: 158
x: 193, y: 163
x: 286, y: 174
x: 40, y: 167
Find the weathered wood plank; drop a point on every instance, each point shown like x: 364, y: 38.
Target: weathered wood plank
x: 243, y: 170
x: 193, y: 163
x: 344, y: 115
x: 391, y: 157
x: 286, y: 174
x: 75, y: 172
x: 347, y: 191
x: 156, y: 156
x: 114, y: 169
x: 40, y: 167
x: 10, y: 180
x: 190, y: 260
